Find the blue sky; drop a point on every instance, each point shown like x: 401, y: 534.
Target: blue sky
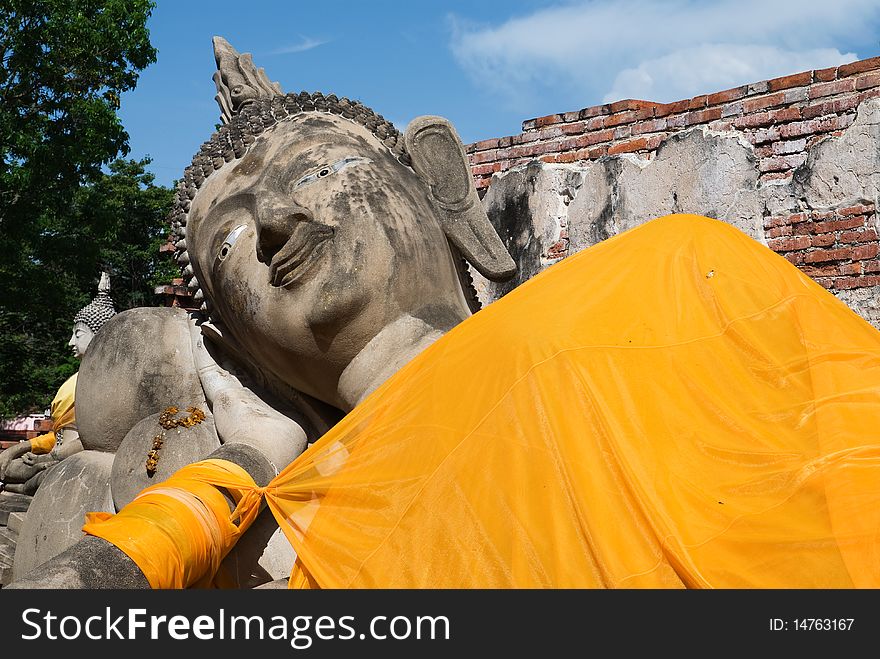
x: 486, y: 66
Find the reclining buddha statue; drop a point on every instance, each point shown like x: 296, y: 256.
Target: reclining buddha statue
x: 677, y: 406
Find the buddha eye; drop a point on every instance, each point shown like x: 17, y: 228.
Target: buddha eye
x: 326, y: 170
x: 226, y: 247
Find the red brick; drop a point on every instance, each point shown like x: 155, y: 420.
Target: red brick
x: 655, y: 141
x: 858, y: 209
x: 775, y: 176
x: 504, y: 142
x: 835, y: 106
x: 795, y: 257
x: 850, y: 268
x: 763, y: 102
x: 785, y: 114
x: 799, y: 128
x: 823, y: 240
x: 776, y: 221
x: 698, y: 102
x: 628, y: 147
x: 864, y: 236
x: 570, y: 156
x: 548, y: 120
x: 820, y: 271
x: 778, y: 232
x: 721, y: 125
x: 765, y: 151
x: 483, y: 156
x: 870, y: 266
x: 789, y: 244
x: 822, y: 215
x: 651, y: 126
x: 574, y: 128
x: 822, y: 255
x: 794, y: 80
x: 597, y: 152
x: 871, y: 93
x: 631, y: 104
x: 594, y: 111
x: 596, y: 123
x: 840, y: 225
x: 780, y: 163
x: 833, y: 87
x: 827, y: 282
x: 865, y: 252
x: 677, y: 121
x: 856, y: 282
x: 489, y: 168
x: 529, y: 124
x: 803, y: 228
x: 753, y: 120
x: 868, y: 81
x: 858, y: 67
x: 671, y: 108
x: 726, y: 96
x: 571, y: 116
x: 485, y: 144
x: 621, y: 118
x: 589, y: 139
x: 703, y: 116
x: 822, y: 75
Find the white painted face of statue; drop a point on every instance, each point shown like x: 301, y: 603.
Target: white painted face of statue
x: 80, y: 339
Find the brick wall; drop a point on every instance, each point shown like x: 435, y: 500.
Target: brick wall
x: 781, y: 118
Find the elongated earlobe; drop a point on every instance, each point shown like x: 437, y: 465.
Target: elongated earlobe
x: 438, y: 157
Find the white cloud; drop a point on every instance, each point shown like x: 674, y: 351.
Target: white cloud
x: 305, y: 43
x: 688, y: 72
x: 664, y: 50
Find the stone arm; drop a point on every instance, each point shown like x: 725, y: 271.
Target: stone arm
x: 94, y: 563
x: 10, y: 454
x: 255, y: 437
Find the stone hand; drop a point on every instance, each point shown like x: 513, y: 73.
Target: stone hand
x: 10, y: 454
x: 241, y: 416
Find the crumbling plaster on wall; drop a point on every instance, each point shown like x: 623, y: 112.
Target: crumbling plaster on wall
x: 547, y: 211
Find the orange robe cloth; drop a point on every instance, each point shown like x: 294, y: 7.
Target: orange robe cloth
x: 677, y: 406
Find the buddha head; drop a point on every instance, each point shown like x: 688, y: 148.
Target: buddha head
x: 89, y: 320
x: 308, y: 223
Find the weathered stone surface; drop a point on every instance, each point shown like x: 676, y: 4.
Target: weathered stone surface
x: 697, y: 171
x: 15, y: 521
x: 843, y: 170
x: 75, y: 486
x: 528, y: 207
x: 11, y: 502
x: 139, y: 363
x: 864, y: 301
x: 8, y: 540
x: 263, y: 554
x: 180, y: 447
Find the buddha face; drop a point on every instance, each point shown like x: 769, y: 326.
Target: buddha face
x: 312, y: 243
x: 80, y: 339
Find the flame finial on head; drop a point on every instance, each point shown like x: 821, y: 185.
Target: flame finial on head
x: 238, y: 81
x: 99, y: 310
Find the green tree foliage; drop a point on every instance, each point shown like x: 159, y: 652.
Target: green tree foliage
x: 68, y: 207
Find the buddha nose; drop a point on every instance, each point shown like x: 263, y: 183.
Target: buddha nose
x: 275, y: 222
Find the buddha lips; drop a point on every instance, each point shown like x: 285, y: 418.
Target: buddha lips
x: 168, y: 420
